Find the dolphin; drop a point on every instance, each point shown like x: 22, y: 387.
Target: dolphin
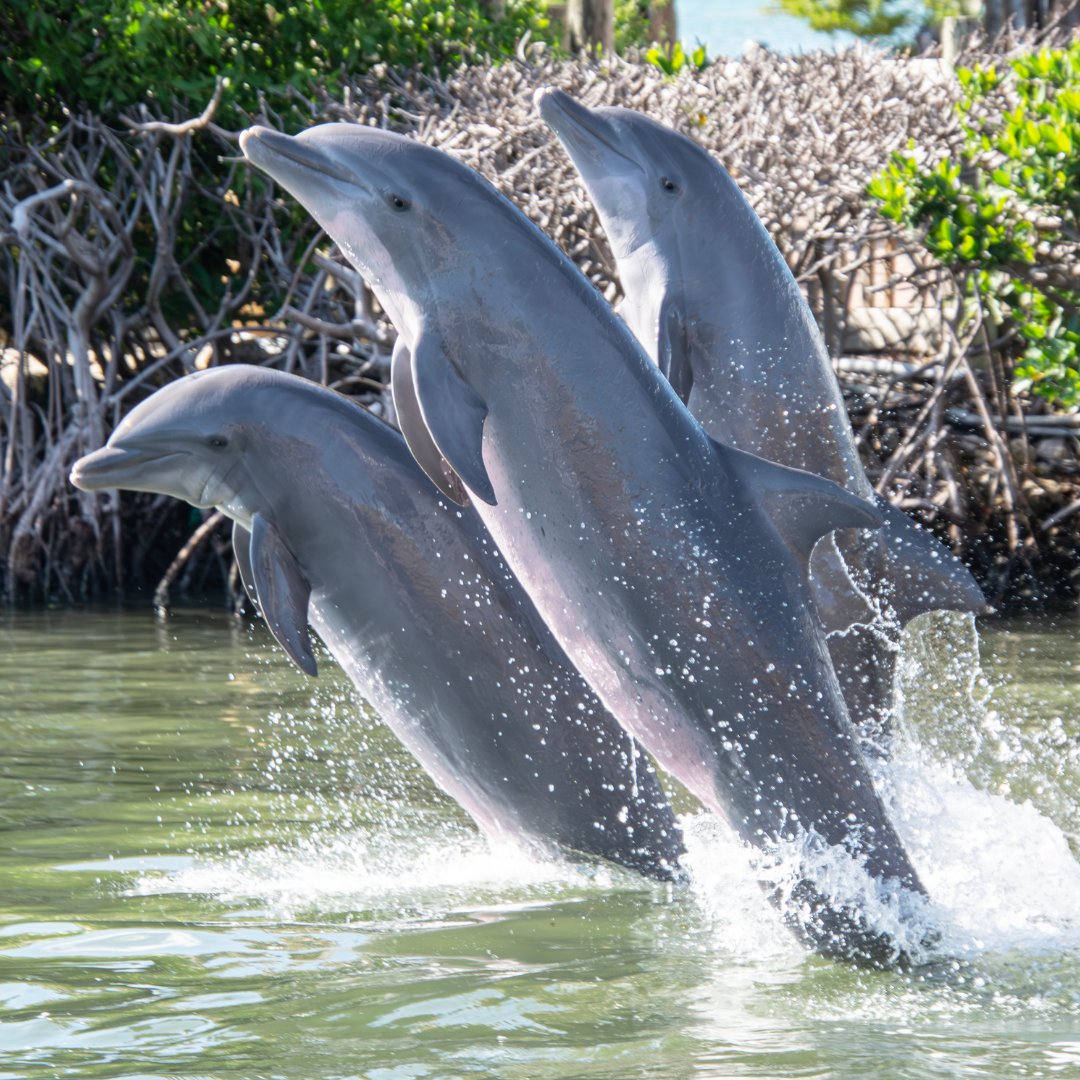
x: 335, y: 523
x: 671, y: 568
x: 715, y: 305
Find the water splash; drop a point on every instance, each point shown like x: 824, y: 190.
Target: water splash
x: 384, y: 842
x: 359, y: 828
x: 388, y: 876
x: 1001, y: 872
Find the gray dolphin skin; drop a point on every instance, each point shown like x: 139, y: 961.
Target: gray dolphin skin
x: 336, y: 522
x: 672, y: 569
x: 714, y: 303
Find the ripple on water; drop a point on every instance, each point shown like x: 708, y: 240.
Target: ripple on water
x: 257, y: 882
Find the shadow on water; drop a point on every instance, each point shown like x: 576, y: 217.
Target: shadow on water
x: 213, y: 867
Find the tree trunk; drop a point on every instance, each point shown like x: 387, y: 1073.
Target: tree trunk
x: 663, y: 27
x: 1037, y: 14
x: 994, y: 17
x: 590, y: 25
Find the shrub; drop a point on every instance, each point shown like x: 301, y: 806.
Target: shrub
x: 1003, y: 212
x: 108, y: 54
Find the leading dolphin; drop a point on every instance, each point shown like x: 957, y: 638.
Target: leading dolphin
x: 671, y: 568
x: 714, y: 303
x: 336, y: 522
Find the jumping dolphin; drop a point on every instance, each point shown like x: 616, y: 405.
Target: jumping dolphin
x: 335, y: 522
x: 713, y: 302
x: 671, y: 568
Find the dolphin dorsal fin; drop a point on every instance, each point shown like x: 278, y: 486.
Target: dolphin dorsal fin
x: 241, y: 543
x: 673, y: 351
x: 802, y: 506
x: 283, y: 592
x: 923, y: 574
x: 453, y: 414
x: 417, y: 437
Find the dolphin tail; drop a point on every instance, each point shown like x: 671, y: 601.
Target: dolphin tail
x: 923, y: 574
x: 847, y: 935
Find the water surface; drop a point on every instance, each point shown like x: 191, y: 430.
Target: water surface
x: 212, y: 867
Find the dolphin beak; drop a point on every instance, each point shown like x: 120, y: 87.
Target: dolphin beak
x: 266, y: 148
x: 578, y: 127
x: 118, y: 467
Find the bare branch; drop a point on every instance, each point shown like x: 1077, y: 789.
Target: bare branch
x: 198, y: 123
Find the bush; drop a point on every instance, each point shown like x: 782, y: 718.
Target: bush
x: 108, y: 54
x: 1003, y: 213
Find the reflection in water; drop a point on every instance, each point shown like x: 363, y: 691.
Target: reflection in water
x: 214, y: 867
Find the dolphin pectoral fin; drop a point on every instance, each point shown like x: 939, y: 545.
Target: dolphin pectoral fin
x: 804, y: 507
x: 417, y: 437
x: 283, y: 592
x: 924, y: 575
x: 241, y: 543
x: 674, y: 351
x: 454, y: 415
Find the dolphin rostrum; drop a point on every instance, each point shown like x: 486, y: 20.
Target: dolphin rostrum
x: 334, y: 522
x: 671, y: 568
x: 713, y: 302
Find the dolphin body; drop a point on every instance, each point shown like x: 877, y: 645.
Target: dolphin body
x: 715, y: 305
x: 334, y: 521
x: 671, y: 568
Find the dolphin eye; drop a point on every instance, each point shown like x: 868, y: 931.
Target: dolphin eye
x: 397, y: 202
x: 218, y: 442
x: 668, y: 184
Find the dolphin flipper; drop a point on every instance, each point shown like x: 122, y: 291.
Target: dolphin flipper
x: 804, y: 507
x: 674, y: 352
x: 923, y: 574
x: 241, y: 543
x: 417, y: 436
x: 453, y: 413
x: 283, y: 592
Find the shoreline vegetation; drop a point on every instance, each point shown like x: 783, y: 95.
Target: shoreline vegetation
x: 138, y: 249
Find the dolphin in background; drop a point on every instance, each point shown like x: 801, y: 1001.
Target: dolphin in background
x: 672, y: 569
x: 715, y: 305
x: 334, y: 522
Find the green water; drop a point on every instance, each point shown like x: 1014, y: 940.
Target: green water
x: 211, y: 867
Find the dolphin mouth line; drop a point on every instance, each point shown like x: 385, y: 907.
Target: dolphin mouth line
x: 576, y: 123
x: 203, y: 503
x: 294, y: 149
x: 99, y: 476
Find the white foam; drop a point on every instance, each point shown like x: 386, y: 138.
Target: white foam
x: 415, y: 876
x: 1001, y: 875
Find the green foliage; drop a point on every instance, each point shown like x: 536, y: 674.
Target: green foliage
x: 634, y: 23
x: 107, y: 54
x: 631, y: 24
x: 895, y: 20
x: 867, y: 18
x: 671, y: 60
x: 1004, y: 213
